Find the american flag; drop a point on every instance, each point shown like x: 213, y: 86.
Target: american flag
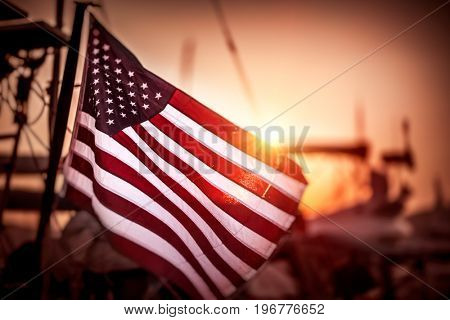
x: 176, y: 184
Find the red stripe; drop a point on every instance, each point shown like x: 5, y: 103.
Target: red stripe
x: 233, y: 134
x: 239, y: 249
x: 78, y: 198
x: 142, y: 256
x: 243, y: 177
x: 147, y: 259
x: 130, y: 211
x: 227, y: 203
x: 123, y: 171
x: 154, y: 263
x: 243, y: 252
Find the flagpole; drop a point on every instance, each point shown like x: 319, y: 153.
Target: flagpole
x: 60, y: 123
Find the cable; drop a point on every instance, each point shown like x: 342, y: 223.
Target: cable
x: 33, y: 155
x: 41, y: 112
x: 44, y: 104
x: 37, y: 137
x: 231, y: 45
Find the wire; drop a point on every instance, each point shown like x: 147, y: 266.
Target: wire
x: 44, y: 104
x: 39, y: 116
x: 231, y: 45
x: 9, y: 92
x: 33, y: 155
x: 40, y: 94
x: 37, y: 137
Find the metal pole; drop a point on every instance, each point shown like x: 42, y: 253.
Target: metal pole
x: 55, y: 72
x: 61, y: 117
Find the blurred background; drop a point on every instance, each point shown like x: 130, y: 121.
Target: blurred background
x: 372, y: 99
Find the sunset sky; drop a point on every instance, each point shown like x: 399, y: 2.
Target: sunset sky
x: 291, y: 48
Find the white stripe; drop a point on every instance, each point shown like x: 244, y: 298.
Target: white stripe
x: 229, y: 257
x: 257, y: 204
x: 126, y: 157
x: 136, y: 233
x: 288, y: 185
x: 245, y: 235
x: 127, y: 191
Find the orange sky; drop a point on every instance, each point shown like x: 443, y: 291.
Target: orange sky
x: 290, y: 48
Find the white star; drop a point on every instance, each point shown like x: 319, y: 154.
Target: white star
x: 118, y: 61
x: 109, y: 101
x: 95, y: 51
x: 98, y: 113
x: 145, y: 96
x: 144, y: 86
x: 121, y: 106
x: 95, y: 41
x: 95, y: 71
x: 109, y: 111
x: 145, y: 106
x: 96, y: 81
x: 105, y: 47
x: 131, y: 94
x: 118, y: 71
x: 132, y: 103
x: 123, y: 115
x: 108, y: 91
x: 96, y: 60
x: 97, y: 91
x: 105, y: 57
x: 107, y: 83
x: 110, y: 122
x: 133, y: 111
x: 118, y: 80
x: 130, y: 73
x: 106, y: 75
x: 130, y: 84
x: 120, y: 98
x: 158, y: 96
x: 119, y: 89
x: 106, y: 67
x: 97, y: 102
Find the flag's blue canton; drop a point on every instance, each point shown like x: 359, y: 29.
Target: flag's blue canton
x: 119, y: 92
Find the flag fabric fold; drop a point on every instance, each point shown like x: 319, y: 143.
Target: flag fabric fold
x: 184, y: 192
